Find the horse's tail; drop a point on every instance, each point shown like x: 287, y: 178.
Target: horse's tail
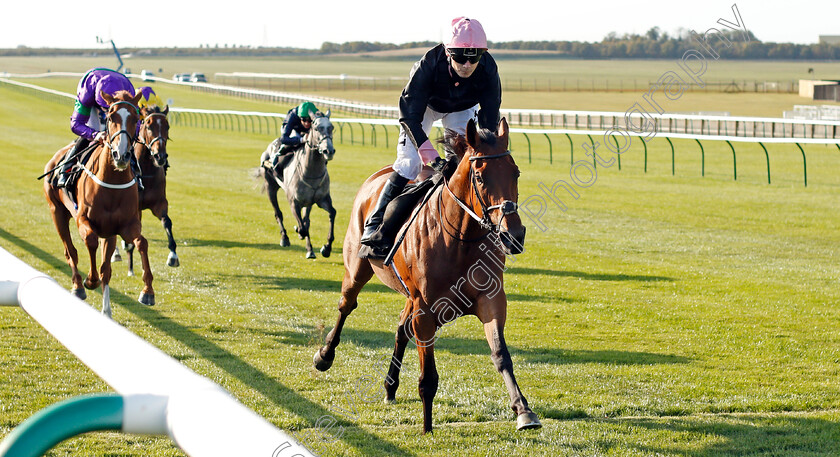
x: 258, y: 174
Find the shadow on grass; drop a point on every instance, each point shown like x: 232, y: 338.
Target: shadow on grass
x: 743, y: 435
x: 587, y: 276
x: 278, y: 393
x: 384, y: 341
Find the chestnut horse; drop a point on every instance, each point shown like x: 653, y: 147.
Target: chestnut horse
x: 445, y: 267
x: 150, y: 151
x: 107, y: 202
x: 306, y: 182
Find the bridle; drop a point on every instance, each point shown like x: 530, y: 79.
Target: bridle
x: 310, y: 145
x: 159, y: 156
x: 114, y: 152
x: 131, y: 140
x: 485, y: 221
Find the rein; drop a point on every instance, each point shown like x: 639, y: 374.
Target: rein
x: 507, y: 206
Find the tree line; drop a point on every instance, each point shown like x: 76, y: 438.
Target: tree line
x: 654, y: 44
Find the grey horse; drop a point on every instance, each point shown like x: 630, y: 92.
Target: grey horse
x: 306, y: 182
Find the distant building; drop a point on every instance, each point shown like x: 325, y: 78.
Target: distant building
x: 820, y: 89
x: 830, y: 39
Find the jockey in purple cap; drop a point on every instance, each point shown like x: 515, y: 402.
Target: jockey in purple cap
x: 88, y: 118
x: 452, y: 83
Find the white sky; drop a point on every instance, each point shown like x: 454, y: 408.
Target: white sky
x: 306, y: 24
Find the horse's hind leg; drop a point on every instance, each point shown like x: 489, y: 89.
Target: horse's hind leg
x: 326, y: 205
x: 61, y: 219
x: 350, y: 288
x: 424, y: 328
x: 392, y: 381
x: 494, y: 332
x: 278, y: 215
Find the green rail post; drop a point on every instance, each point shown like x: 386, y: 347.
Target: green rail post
x: 550, y: 152
x: 350, y: 127
x: 644, y: 143
x: 702, y: 158
x: 768, y: 160
x: 804, y: 164
x: 734, y: 161
x: 594, y: 162
x: 362, y: 127
x: 387, y: 143
x: 673, y: 170
x: 618, y: 148
x: 340, y: 132
x: 529, y: 146
x: 373, y: 134
x: 63, y: 420
x: 571, y: 147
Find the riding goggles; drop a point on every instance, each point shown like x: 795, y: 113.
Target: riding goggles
x: 462, y: 55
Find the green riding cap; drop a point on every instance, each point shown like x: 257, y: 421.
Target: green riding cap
x: 305, y: 108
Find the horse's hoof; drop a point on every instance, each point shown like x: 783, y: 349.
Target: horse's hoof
x: 116, y: 257
x: 147, y: 299
x: 389, y: 401
x: 527, y: 421
x: 284, y: 242
x: 321, y: 363
x: 326, y: 250
x: 130, y: 273
x: 310, y: 255
x: 79, y: 293
x: 91, y: 285
x: 172, y: 260
x: 107, y: 313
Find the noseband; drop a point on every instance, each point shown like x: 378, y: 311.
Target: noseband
x: 507, y: 207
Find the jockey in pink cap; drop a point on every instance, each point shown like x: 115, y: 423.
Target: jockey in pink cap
x: 452, y: 83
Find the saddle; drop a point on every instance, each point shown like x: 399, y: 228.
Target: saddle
x: 74, y: 173
x: 401, y: 207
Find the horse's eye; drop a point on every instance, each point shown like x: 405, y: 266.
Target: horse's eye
x: 479, y: 179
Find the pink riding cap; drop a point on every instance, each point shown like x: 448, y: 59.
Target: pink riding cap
x: 467, y: 33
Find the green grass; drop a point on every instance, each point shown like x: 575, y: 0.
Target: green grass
x: 659, y: 315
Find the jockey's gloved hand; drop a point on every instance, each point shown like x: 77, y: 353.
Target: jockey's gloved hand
x: 99, y: 138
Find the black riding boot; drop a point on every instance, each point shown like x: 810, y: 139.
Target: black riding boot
x: 378, y: 234
x: 69, y: 159
x: 138, y: 173
x: 282, y: 162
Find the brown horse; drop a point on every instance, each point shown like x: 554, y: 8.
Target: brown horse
x: 448, y: 265
x: 150, y: 151
x: 108, y: 204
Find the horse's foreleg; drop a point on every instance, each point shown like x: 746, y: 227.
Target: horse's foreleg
x: 350, y: 288
x: 392, y: 381
x: 494, y: 332
x: 278, y: 215
x: 91, y: 241
x: 300, y: 228
x: 326, y: 205
x: 108, y: 248
x: 424, y: 328
x: 172, y: 260
x: 306, y: 212
x: 61, y: 219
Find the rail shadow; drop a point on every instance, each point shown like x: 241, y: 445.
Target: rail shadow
x: 587, y: 276
x: 384, y: 341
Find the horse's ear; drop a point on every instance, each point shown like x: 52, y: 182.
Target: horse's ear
x: 328, y: 113
x: 166, y: 110
x: 137, y: 97
x: 503, y: 130
x: 472, y: 134
x: 107, y: 97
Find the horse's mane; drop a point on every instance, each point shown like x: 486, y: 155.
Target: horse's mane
x: 455, y: 143
x: 123, y: 96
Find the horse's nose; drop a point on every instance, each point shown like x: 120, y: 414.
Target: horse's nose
x: 513, y: 234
